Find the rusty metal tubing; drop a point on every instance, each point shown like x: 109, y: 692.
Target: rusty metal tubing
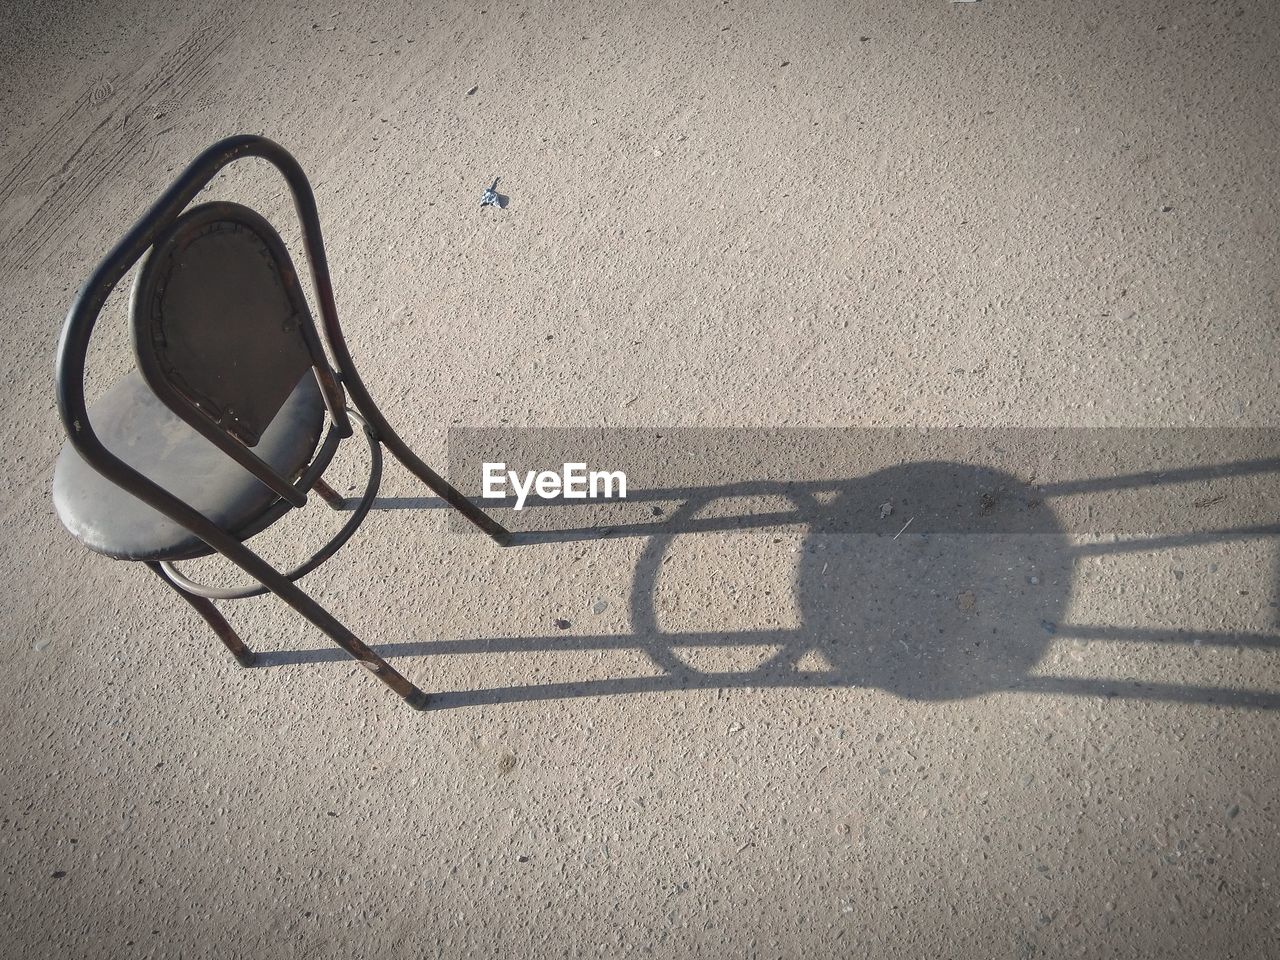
x: 70, y: 370
x: 305, y: 203
x: 329, y: 495
x: 319, y: 463
x: 320, y: 556
x: 209, y: 613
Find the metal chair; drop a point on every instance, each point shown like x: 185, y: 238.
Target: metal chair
x: 222, y: 428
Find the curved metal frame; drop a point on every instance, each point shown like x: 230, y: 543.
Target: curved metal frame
x: 179, y: 579
x: 70, y: 373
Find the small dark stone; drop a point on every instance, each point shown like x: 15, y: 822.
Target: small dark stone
x: 562, y: 623
x: 786, y: 63
x: 656, y: 511
x: 59, y: 874
x: 1166, y: 209
x: 863, y: 39
x: 523, y: 859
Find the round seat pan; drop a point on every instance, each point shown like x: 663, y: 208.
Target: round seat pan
x: 137, y: 427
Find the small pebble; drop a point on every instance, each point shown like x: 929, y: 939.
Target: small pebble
x: 562, y: 624
x: 472, y: 90
x: 599, y: 607
x: 886, y: 509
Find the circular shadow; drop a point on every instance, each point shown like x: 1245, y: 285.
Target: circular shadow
x: 964, y: 602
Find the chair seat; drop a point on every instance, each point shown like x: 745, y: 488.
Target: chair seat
x: 133, y: 424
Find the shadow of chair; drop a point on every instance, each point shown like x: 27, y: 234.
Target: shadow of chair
x: 965, y: 602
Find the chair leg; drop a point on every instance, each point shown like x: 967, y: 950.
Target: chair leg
x: 442, y: 488
x: 213, y: 618
x: 407, y: 690
x: 329, y: 495
x: 290, y: 593
x: 369, y: 410
x: 347, y: 640
x: 287, y: 591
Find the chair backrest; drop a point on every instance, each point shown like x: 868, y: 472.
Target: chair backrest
x: 222, y: 331
x: 220, y: 322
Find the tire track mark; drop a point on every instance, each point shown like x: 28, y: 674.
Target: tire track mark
x: 99, y: 169
x: 105, y: 151
x: 17, y: 174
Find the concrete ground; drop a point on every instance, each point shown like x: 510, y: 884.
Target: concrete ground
x: 722, y: 214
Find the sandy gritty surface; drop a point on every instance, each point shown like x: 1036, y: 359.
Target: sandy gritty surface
x: 722, y: 214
